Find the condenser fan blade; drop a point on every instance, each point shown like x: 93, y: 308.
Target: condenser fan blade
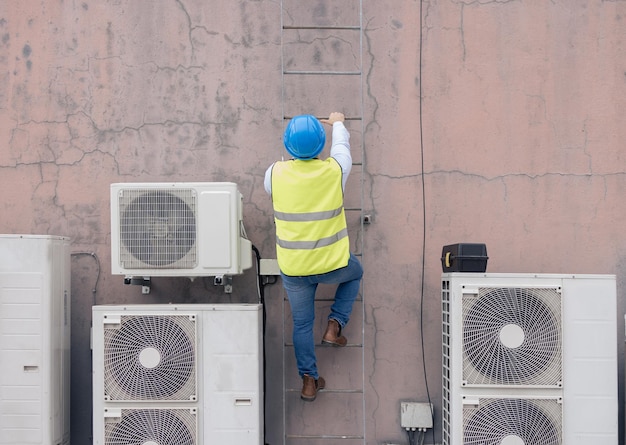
x: 158, y: 228
x: 513, y: 336
x: 513, y: 421
x: 151, y: 358
x: 153, y: 426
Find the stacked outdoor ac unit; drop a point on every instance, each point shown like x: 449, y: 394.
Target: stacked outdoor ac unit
x: 185, y: 374
x: 188, y: 374
x: 529, y: 359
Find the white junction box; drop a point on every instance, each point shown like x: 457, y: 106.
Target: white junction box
x: 34, y: 340
x: 415, y: 415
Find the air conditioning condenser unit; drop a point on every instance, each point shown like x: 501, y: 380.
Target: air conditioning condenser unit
x: 529, y: 359
x: 35, y: 301
x: 178, y: 229
x: 180, y: 374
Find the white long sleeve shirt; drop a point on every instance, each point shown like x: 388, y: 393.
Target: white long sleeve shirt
x: 339, y: 150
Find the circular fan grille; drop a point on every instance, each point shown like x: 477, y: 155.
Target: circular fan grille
x: 153, y: 426
x: 158, y: 228
x: 513, y: 336
x: 515, y: 421
x: 150, y: 358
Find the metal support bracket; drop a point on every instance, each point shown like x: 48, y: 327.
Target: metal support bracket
x: 226, y: 281
x: 144, y: 282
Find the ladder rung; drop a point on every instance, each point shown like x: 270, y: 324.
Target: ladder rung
x: 349, y: 345
x: 349, y: 28
x: 347, y: 118
x: 323, y: 73
x: 329, y: 299
x: 322, y: 436
x: 334, y: 391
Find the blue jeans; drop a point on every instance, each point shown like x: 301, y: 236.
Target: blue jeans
x: 301, y: 295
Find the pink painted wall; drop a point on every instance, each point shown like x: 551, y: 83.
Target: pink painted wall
x: 517, y: 143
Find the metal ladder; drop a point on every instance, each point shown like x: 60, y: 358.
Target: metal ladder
x: 321, y: 44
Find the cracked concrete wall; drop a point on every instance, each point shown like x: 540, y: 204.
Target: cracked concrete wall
x: 517, y: 142
x: 523, y: 149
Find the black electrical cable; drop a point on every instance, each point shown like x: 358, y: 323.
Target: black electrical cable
x: 421, y: 121
x: 411, y: 435
x: 416, y: 437
x: 261, y: 291
x: 95, y: 286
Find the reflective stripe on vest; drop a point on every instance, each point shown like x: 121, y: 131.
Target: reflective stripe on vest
x: 311, y: 230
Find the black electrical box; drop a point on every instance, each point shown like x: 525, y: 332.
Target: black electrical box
x: 464, y: 257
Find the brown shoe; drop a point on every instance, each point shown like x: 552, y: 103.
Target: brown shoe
x: 310, y: 386
x: 333, y: 336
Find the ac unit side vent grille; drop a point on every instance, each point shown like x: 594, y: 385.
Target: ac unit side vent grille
x: 446, y: 368
x: 152, y: 426
x: 151, y: 357
x: 158, y: 228
x: 512, y: 336
x: 503, y: 421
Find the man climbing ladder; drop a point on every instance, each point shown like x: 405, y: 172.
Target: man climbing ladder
x: 312, y: 242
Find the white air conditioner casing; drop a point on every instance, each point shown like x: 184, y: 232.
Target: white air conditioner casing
x: 178, y: 229
x: 529, y: 359
x: 184, y: 374
x: 34, y: 340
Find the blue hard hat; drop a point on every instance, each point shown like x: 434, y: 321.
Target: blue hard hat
x: 304, y: 137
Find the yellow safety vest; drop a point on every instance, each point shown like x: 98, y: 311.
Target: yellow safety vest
x: 311, y: 229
